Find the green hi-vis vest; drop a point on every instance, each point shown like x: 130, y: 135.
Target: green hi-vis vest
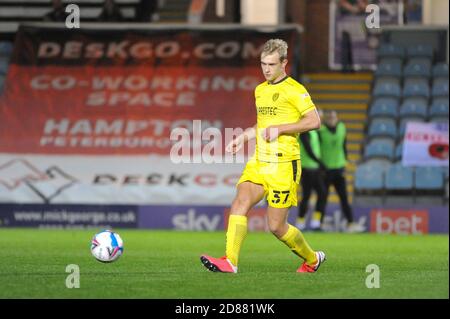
x: 332, y: 146
x: 306, y: 160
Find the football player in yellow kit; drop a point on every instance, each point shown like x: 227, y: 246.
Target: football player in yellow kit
x: 284, y: 109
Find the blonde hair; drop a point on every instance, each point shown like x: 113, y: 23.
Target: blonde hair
x: 275, y: 45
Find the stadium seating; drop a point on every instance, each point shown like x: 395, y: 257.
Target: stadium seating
x: 430, y: 179
x: 440, y: 87
x: 34, y: 10
x: 6, y: 48
x: 421, y: 50
x: 440, y: 70
x: 416, y: 87
x: 398, y: 152
x: 379, y: 164
x: 439, y: 107
x: 408, y: 87
x: 380, y: 147
x: 438, y: 119
x: 389, y: 67
x: 445, y: 171
x: 5, y: 55
x: 387, y: 86
x: 404, y: 121
x: 4, y: 63
x: 418, y: 67
x: 368, y: 179
x: 414, y: 107
x: 399, y: 178
x: 384, y: 107
x: 389, y: 50
x: 383, y: 128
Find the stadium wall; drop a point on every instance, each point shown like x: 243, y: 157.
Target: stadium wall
x: 416, y: 220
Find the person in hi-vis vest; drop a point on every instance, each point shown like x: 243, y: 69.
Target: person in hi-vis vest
x: 312, y: 179
x: 333, y: 140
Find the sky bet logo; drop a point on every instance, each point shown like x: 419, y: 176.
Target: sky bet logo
x: 400, y: 222
x: 195, y: 221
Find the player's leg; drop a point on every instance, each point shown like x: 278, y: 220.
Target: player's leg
x: 320, y: 189
x: 248, y: 195
x: 282, y: 194
x: 341, y: 189
x: 249, y: 192
x: 290, y: 235
x: 307, y: 181
x: 327, y: 177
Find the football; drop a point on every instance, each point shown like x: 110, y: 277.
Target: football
x: 107, y: 246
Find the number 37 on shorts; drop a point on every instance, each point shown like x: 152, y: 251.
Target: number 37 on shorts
x: 282, y: 187
x: 278, y: 198
x: 280, y: 180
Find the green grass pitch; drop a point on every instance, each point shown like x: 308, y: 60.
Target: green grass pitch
x: 165, y: 264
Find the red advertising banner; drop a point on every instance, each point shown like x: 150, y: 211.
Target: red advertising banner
x: 399, y: 221
x: 98, y: 91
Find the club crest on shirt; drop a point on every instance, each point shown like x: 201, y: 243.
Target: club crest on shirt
x: 275, y: 96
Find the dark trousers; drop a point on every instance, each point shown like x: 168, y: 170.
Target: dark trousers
x: 346, y: 52
x: 336, y: 178
x: 312, y: 179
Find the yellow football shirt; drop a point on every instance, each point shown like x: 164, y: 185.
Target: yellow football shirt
x: 284, y: 102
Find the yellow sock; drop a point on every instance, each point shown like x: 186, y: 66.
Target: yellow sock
x: 236, y: 233
x: 301, y: 220
x: 296, y: 242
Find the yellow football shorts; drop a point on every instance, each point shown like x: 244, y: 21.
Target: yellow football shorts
x: 280, y: 180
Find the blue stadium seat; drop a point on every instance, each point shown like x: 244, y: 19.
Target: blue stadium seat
x: 438, y: 119
x: 440, y: 87
x: 389, y: 67
x: 378, y: 164
x: 416, y: 87
x: 440, y: 70
x: 390, y: 50
x: 387, y: 87
x: 383, y: 148
x: 439, y: 107
x: 405, y: 120
x: 383, y: 128
x: 418, y: 67
x: 398, y: 153
x: 399, y: 178
x: 445, y: 171
x: 4, y: 64
x: 421, y: 50
x: 429, y: 178
x: 384, y: 107
x: 414, y: 107
x: 368, y: 179
x: 6, y: 48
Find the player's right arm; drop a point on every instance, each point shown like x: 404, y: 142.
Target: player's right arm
x: 236, y: 144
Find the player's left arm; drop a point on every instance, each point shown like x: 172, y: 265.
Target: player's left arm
x: 309, y: 121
